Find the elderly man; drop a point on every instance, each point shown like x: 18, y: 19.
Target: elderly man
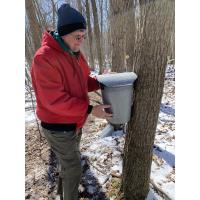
x: 61, y: 81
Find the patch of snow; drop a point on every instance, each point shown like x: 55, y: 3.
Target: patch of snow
x: 153, y: 196
x: 29, y: 116
x: 102, y: 179
x: 91, y: 189
x: 118, y: 133
x: 117, y: 167
x: 162, y: 177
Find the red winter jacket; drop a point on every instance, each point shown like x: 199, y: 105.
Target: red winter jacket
x: 61, y: 83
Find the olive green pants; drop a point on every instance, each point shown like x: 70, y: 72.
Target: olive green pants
x: 66, y: 146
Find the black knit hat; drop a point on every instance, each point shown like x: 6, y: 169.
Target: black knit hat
x: 69, y: 20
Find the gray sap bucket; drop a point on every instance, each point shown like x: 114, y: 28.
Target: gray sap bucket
x: 117, y: 91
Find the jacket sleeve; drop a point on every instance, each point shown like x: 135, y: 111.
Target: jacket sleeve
x: 93, y: 84
x: 51, y: 92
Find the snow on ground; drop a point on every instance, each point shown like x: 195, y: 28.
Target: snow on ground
x: 29, y: 116
x: 163, y: 171
x: 102, y: 157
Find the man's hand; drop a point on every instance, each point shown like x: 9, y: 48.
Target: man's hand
x: 98, y: 111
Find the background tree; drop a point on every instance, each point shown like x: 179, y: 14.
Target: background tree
x: 80, y: 7
x: 117, y: 35
x: 130, y: 34
x: 122, y: 34
x: 153, y: 48
x: 31, y: 14
x: 97, y: 35
x: 54, y: 11
x: 90, y: 38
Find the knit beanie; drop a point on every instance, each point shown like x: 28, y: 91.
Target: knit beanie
x: 69, y: 20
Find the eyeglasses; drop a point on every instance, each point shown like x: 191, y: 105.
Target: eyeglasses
x: 79, y: 37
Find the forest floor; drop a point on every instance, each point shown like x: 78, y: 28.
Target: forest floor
x: 102, y: 157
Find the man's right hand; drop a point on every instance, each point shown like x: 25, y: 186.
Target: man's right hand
x: 98, y: 111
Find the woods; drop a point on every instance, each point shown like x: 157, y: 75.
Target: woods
x: 122, y: 35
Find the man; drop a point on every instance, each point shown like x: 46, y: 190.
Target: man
x: 61, y: 81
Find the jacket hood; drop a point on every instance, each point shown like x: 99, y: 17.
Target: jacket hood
x: 48, y: 40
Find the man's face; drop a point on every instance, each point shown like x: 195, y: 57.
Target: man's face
x: 75, y: 39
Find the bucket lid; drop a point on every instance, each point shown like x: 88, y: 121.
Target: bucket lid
x: 117, y: 79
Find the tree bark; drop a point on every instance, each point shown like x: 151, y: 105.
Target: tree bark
x: 153, y: 47
x: 80, y: 8
x: 130, y: 35
x: 33, y: 23
x: 97, y: 35
x: 118, y: 20
x: 28, y: 54
x: 29, y: 46
x: 91, y: 56
x: 101, y: 17
x: 54, y: 11
x: 42, y: 22
x: 102, y: 31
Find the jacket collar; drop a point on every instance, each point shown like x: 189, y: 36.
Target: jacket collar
x: 63, y: 45
x: 52, y: 39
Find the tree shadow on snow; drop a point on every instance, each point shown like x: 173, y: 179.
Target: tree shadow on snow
x: 151, y: 196
x: 91, y: 187
x: 166, y: 155
x: 167, y: 109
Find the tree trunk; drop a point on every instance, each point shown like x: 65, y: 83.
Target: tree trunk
x: 33, y: 23
x: 29, y: 46
x: 91, y: 57
x: 102, y: 32
x: 54, y: 11
x: 101, y: 17
x: 153, y: 47
x: 97, y: 35
x: 40, y: 15
x: 130, y: 35
x: 118, y: 32
x: 144, y: 2
x: 80, y: 8
x: 172, y: 49
x: 28, y: 53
